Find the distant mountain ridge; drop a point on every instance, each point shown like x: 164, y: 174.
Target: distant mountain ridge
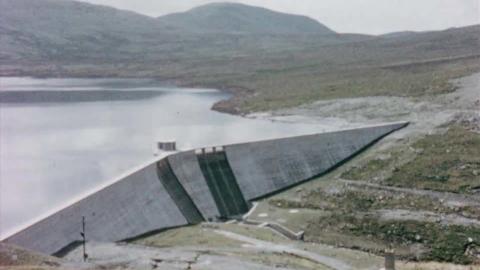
x: 71, y: 38
x: 240, y: 18
x: 66, y: 30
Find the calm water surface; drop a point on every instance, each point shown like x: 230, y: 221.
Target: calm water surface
x: 52, y: 152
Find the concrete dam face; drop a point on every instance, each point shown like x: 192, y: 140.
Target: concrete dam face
x: 194, y: 186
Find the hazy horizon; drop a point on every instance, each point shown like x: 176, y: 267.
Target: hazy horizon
x: 362, y: 16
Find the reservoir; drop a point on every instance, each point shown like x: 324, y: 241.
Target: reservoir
x: 60, y: 138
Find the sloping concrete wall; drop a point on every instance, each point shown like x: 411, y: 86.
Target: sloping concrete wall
x: 128, y: 208
x: 181, y: 198
x: 140, y: 203
x: 222, y: 184
x: 265, y: 167
x: 186, y: 168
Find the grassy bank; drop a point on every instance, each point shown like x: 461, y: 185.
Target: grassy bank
x: 276, y: 89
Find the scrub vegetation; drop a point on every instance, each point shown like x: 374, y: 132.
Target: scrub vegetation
x: 442, y: 162
x: 363, y: 200
x: 434, y: 242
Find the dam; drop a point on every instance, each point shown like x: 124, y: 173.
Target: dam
x: 189, y: 187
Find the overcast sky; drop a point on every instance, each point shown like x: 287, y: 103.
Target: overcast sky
x: 355, y: 16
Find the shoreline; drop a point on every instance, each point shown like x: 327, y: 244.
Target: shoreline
x: 223, y: 106
x: 384, y: 108
x: 288, y: 114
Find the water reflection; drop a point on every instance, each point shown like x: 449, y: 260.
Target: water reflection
x: 50, y: 153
